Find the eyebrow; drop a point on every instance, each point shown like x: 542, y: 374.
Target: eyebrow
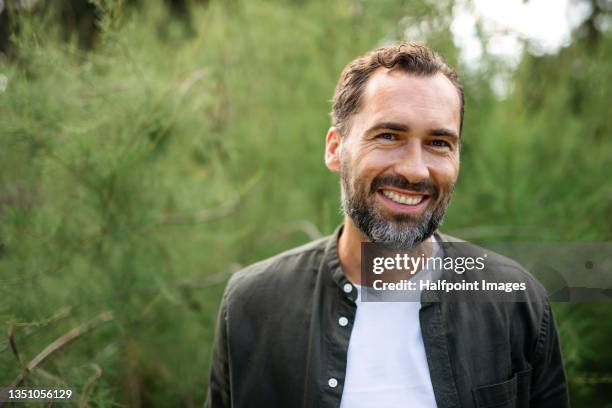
x: 400, y: 127
x: 444, y: 132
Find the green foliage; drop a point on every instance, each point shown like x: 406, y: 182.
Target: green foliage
x: 135, y: 176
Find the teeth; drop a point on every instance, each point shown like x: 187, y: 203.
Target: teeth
x: 403, y: 199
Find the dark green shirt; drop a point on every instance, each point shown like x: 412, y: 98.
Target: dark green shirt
x: 278, y: 341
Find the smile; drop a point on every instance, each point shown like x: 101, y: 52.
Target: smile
x: 403, y: 198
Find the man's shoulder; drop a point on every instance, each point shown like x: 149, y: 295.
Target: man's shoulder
x: 279, y: 271
x: 498, y: 267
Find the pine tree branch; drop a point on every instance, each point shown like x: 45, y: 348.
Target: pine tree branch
x: 62, y: 341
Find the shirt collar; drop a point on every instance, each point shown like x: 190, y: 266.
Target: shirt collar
x: 332, y: 262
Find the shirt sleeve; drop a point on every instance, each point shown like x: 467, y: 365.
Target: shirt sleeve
x: 549, y: 384
x: 218, y: 395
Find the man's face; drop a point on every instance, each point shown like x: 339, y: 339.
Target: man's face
x: 399, y: 161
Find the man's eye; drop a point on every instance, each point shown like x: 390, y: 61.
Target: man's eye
x: 440, y: 143
x: 386, y: 136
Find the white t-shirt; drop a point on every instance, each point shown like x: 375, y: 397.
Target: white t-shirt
x: 387, y: 366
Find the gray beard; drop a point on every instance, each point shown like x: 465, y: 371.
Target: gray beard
x: 401, y: 233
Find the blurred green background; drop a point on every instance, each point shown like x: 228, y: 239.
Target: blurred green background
x: 150, y: 148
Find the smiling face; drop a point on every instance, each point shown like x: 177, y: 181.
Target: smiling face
x: 399, y: 160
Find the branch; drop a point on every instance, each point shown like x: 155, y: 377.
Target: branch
x: 13, y: 344
x: 229, y: 206
x: 32, y: 327
x: 304, y: 226
x: 61, y: 342
x: 89, y: 385
x: 204, y: 215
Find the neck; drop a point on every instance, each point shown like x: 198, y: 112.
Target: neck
x: 349, y: 250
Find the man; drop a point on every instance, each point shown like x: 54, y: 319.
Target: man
x: 293, y: 330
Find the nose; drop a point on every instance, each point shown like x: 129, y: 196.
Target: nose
x: 411, y: 164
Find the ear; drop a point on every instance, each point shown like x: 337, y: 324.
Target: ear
x: 332, y: 150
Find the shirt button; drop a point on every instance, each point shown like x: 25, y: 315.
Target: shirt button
x: 348, y: 288
x: 332, y: 382
x: 343, y: 321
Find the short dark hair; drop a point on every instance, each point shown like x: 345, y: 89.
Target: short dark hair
x: 411, y: 57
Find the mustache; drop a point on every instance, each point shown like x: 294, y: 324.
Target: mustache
x: 400, y: 182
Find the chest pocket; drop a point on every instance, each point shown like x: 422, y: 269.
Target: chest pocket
x: 513, y: 393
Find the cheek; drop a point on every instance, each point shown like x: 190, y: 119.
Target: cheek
x: 372, y: 162
x: 445, y: 171
x: 362, y: 162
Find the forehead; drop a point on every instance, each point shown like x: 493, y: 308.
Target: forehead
x: 415, y: 100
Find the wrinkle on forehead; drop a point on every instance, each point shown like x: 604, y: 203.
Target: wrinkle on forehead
x: 395, y: 95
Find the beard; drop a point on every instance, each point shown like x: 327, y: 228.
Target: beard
x: 398, y: 232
